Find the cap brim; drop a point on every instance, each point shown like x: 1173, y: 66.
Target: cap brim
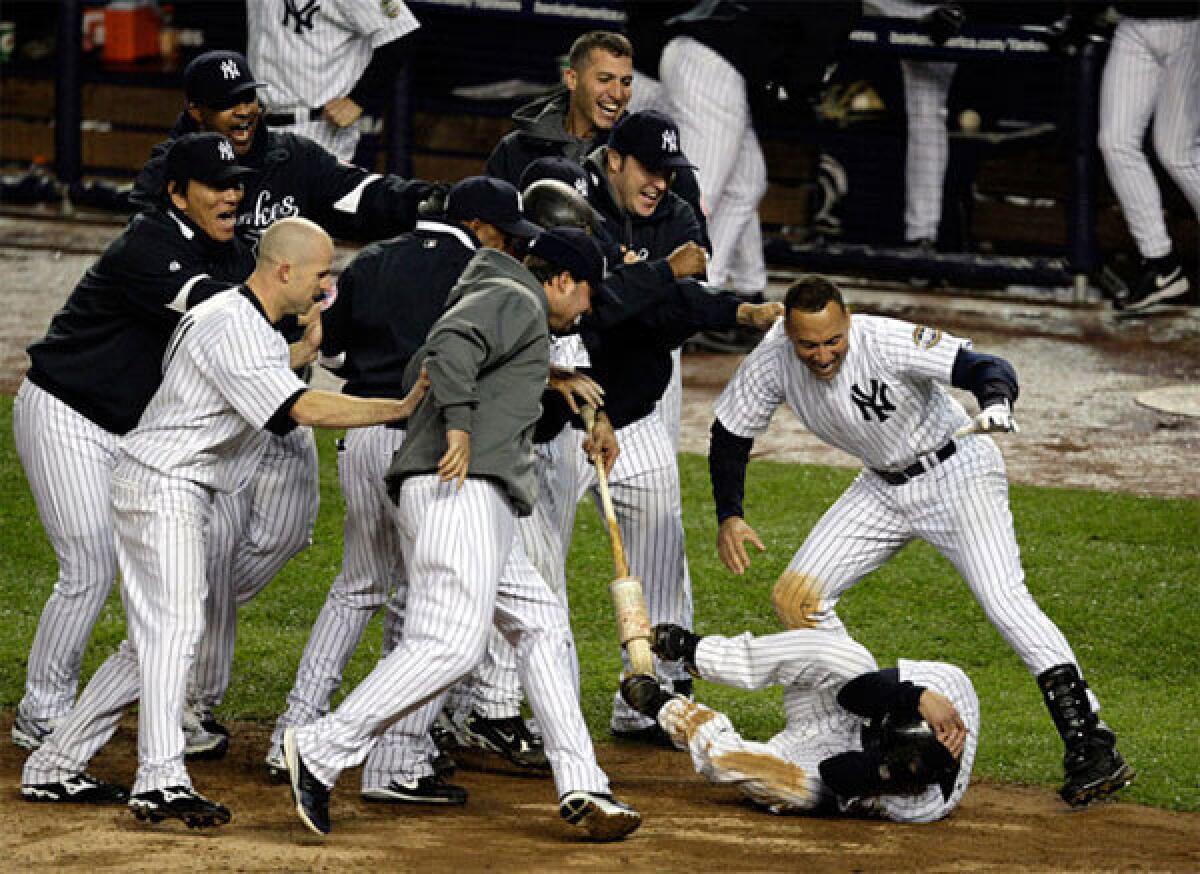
x: 520, y: 228
x: 236, y: 173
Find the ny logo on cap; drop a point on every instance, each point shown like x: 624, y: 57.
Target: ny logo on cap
x: 670, y: 141
x: 229, y: 69
x: 226, y: 151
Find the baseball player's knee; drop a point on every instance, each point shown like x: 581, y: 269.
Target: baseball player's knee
x: 1176, y: 153
x: 1118, y: 144
x: 798, y: 599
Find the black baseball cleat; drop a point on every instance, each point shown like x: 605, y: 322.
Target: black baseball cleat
x: 178, y: 802
x: 1162, y: 279
x: 431, y: 789
x: 674, y: 642
x: 644, y: 694
x: 509, y: 737
x: 310, y: 794
x: 82, y: 788
x: 599, y: 814
x: 1095, y: 770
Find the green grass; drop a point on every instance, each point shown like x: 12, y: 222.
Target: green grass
x: 1116, y: 572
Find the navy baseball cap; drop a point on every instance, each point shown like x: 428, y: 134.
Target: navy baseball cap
x: 219, y: 79
x: 556, y: 167
x: 206, y: 157
x: 573, y: 250
x: 651, y: 137
x: 490, y: 200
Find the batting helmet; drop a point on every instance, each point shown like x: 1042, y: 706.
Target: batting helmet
x: 554, y: 204
x: 911, y: 754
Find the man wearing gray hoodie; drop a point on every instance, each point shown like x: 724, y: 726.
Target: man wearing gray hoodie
x: 461, y: 480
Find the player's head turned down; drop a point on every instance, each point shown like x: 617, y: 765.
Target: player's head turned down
x: 295, y: 267
x: 570, y: 265
x: 818, y: 325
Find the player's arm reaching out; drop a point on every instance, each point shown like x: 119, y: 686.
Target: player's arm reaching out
x: 728, y: 456
x: 993, y: 381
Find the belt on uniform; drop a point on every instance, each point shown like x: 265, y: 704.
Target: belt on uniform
x: 918, y: 467
x: 292, y: 116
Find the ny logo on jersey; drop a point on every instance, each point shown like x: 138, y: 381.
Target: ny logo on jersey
x: 670, y: 141
x: 229, y: 69
x: 303, y: 15
x: 876, y: 402
x: 226, y: 151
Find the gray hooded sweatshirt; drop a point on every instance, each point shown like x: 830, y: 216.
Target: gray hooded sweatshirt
x: 488, y: 359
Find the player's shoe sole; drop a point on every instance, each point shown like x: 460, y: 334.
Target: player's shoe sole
x: 178, y: 802
x: 1098, y: 790
x: 601, y: 816
x: 310, y: 795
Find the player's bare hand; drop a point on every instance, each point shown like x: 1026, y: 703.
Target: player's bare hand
x: 571, y: 385
x: 601, y: 443
x: 732, y: 537
x: 304, y: 351
x: 690, y: 259
x: 454, y: 464
x: 342, y: 111
x: 628, y: 256
x: 944, y: 719
x: 760, y: 316
x: 412, y: 400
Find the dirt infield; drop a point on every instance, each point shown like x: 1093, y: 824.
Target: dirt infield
x: 511, y: 824
x: 1081, y: 370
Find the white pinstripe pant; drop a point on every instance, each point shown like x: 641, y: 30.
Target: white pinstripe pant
x: 709, y: 103
x: 254, y: 533
x: 812, y: 665
x: 372, y: 567
x: 341, y: 141
x: 68, y: 461
x: 1153, y: 69
x: 926, y: 86
x: 960, y: 507
x: 467, y: 569
x: 161, y: 525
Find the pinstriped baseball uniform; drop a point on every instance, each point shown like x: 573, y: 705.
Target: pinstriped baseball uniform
x: 886, y: 405
x: 1153, y: 70
x: 89, y: 381
x: 812, y: 665
x: 926, y: 87
x: 708, y: 102
x: 462, y: 544
x: 312, y: 51
x: 253, y: 535
x: 226, y: 378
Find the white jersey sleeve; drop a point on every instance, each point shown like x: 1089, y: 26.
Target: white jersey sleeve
x: 750, y: 399
x: 247, y: 363
x: 917, y: 351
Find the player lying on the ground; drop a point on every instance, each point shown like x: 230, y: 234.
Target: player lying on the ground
x: 875, y: 388
x: 895, y: 743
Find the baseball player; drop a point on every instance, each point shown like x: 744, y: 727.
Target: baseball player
x: 226, y: 367
x: 632, y: 359
x: 897, y: 744
x: 572, y: 122
x: 926, y: 86
x: 321, y: 62
x: 460, y: 480
x: 90, y: 378
x: 256, y: 532
x: 873, y: 387
x: 720, y: 55
x: 1153, y: 70
x: 388, y: 298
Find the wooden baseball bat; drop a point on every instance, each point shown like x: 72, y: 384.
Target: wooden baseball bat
x: 629, y: 604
